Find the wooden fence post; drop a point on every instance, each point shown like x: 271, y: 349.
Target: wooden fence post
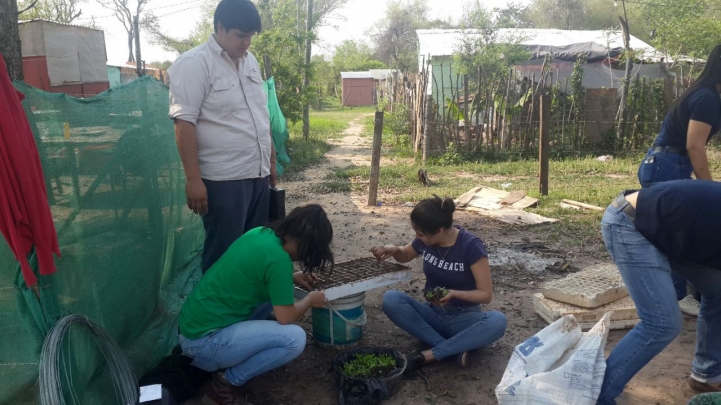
x: 466, y: 114
x: 375, y: 159
x: 545, y: 123
x: 427, y: 127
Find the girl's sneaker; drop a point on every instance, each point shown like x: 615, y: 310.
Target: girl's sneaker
x: 689, y: 305
x: 463, y: 359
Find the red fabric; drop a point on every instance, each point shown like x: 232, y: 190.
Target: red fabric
x: 25, y: 219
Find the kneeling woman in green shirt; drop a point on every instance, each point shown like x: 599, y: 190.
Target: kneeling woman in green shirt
x: 223, y: 322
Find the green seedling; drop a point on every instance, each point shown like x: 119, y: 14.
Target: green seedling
x: 436, y: 294
x: 369, y: 366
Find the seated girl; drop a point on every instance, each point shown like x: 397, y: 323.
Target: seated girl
x: 223, y: 324
x: 456, y: 265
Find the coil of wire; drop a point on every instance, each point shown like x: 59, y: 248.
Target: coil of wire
x: 52, y: 366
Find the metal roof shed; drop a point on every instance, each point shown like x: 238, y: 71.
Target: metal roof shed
x: 358, y: 88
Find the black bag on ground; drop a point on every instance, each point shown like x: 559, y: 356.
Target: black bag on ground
x: 362, y: 391
x: 177, y: 375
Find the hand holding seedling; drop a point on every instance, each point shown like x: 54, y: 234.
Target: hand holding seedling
x: 305, y: 280
x: 449, y: 295
x: 383, y: 252
x: 438, y: 295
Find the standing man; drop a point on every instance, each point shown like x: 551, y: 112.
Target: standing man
x: 222, y: 129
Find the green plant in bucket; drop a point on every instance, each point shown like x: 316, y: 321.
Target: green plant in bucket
x: 369, y: 366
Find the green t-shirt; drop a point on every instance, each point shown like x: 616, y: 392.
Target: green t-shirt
x: 255, y: 269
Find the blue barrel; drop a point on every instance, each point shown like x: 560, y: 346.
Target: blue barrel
x: 340, y: 324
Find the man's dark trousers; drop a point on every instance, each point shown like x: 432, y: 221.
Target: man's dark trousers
x: 234, y: 208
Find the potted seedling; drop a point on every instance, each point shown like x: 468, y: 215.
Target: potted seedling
x: 436, y: 294
x: 368, y: 375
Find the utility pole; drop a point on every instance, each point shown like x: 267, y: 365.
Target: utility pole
x: 622, y: 113
x: 306, y: 71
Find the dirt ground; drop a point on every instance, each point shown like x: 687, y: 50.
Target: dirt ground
x: 516, y: 273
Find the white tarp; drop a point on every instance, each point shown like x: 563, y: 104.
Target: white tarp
x: 440, y: 42
x: 74, y: 54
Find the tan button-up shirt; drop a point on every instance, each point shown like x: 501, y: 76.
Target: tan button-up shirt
x: 228, y: 106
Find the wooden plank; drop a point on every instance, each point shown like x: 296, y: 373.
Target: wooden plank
x: 569, y: 206
x: 513, y: 216
x: 466, y: 197
x: 488, y: 198
x: 513, y: 197
x: 583, y: 205
x: 525, y: 202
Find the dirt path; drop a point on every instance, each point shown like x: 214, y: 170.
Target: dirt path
x: 357, y: 227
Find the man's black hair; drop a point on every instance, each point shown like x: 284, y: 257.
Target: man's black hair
x: 237, y: 14
x: 310, y: 228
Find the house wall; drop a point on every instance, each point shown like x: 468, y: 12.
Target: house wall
x: 31, y: 39
x: 35, y: 71
x: 114, y: 76
x: 74, y: 54
x: 358, y: 92
x: 63, y: 58
x: 444, y: 83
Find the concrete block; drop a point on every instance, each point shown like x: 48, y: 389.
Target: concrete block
x: 589, y: 288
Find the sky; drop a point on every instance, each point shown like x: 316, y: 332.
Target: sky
x: 178, y: 17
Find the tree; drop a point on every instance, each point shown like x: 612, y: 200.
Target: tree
x: 61, y: 11
x: 202, y: 30
x: 681, y: 27
x: 483, y: 46
x: 512, y: 16
x: 325, y: 76
x: 10, y: 39
x: 560, y: 14
x: 354, y: 56
x: 395, y: 36
x: 126, y: 14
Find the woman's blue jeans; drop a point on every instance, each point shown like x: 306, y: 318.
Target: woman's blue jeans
x: 663, y: 166
x: 246, y: 349
x: 647, y: 274
x: 448, y: 330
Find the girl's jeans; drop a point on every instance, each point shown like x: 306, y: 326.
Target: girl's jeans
x: 448, y: 330
x: 647, y: 274
x: 246, y: 349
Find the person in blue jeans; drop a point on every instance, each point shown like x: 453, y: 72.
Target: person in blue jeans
x: 651, y: 234
x: 680, y: 147
x: 223, y: 323
x: 456, y: 260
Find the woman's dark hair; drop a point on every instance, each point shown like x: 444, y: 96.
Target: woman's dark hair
x: 237, y: 14
x: 310, y: 228
x: 710, y: 76
x: 432, y: 214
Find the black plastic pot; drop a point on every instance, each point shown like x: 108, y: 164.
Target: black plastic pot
x: 362, y: 391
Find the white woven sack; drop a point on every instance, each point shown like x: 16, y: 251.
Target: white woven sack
x: 560, y: 365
